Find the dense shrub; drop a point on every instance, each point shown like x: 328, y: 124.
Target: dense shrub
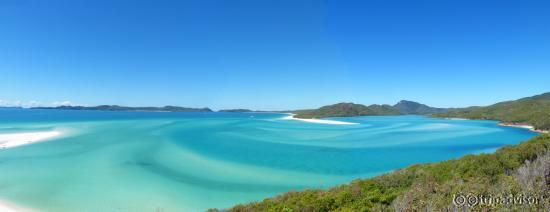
x: 430, y: 186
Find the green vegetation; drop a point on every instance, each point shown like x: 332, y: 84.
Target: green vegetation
x: 346, y: 110
x: 409, y: 107
x: 430, y: 187
x: 124, y: 108
x: 350, y: 109
x: 533, y: 110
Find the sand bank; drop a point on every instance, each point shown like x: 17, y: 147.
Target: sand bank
x: 10, y: 207
x: 457, y: 119
x: 11, y: 140
x: 507, y: 124
x: 318, y: 121
x: 525, y: 126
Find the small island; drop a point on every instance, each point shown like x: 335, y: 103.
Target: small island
x: 124, y: 108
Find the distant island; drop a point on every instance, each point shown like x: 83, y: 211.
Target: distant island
x: 124, y: 108
x: 147, y: 109
x: 10, y: 107
x: 404, y: 107
x: 530, y: 111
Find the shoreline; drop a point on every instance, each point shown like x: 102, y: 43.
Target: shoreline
x: 317, y: 121
x: 508, y: 124
x: 12, y: 140
x: 524, y: 126
x: 457, y: 119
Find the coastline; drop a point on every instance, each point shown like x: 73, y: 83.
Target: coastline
x: 457, y: 119
x: 317, y: 121
x: 12, y: 140
x: 524, y: 126
x: 321, y: 121
x: 508, y: 124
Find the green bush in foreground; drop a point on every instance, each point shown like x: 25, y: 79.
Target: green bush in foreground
x: 432, y: 186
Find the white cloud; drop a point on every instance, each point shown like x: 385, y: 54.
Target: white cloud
x: 17, y: 103
x: 32, y: 103
x: 8, y: 103
x: 61, y: 103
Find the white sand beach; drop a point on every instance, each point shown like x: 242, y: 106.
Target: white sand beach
x: 10, y: 207
x: 457, y: 119
x: 517, y: 125
x: 318, y: 121
x: 525, y: 126
x: 11, y: 140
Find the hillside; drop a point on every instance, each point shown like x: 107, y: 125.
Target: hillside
x: 351, y: 109
x: 410, y: 107
x: 533, y: 110
x: 431, y: 187
x: 347, y: 110
x: 124, y: 108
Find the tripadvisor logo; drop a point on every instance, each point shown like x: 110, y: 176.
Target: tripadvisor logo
x: 471, y: 199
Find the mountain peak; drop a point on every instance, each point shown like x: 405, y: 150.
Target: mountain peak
x: 406, y: 101
x: 411, y: 107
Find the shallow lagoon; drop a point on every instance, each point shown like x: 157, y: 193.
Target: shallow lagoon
x: 142, y: 161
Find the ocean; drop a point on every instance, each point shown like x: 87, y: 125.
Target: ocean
x: 160, y: 161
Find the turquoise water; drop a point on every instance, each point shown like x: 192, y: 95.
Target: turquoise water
x: 138, y: 161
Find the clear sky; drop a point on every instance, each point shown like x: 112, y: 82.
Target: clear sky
x: 280, y: 54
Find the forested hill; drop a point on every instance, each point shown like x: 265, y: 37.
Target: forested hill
x: 410, y: 107
x: 346, y: 110
x: 533, y: 110
x: 404, y: 107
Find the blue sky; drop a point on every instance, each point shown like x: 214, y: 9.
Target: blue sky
x: 267, y: 55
